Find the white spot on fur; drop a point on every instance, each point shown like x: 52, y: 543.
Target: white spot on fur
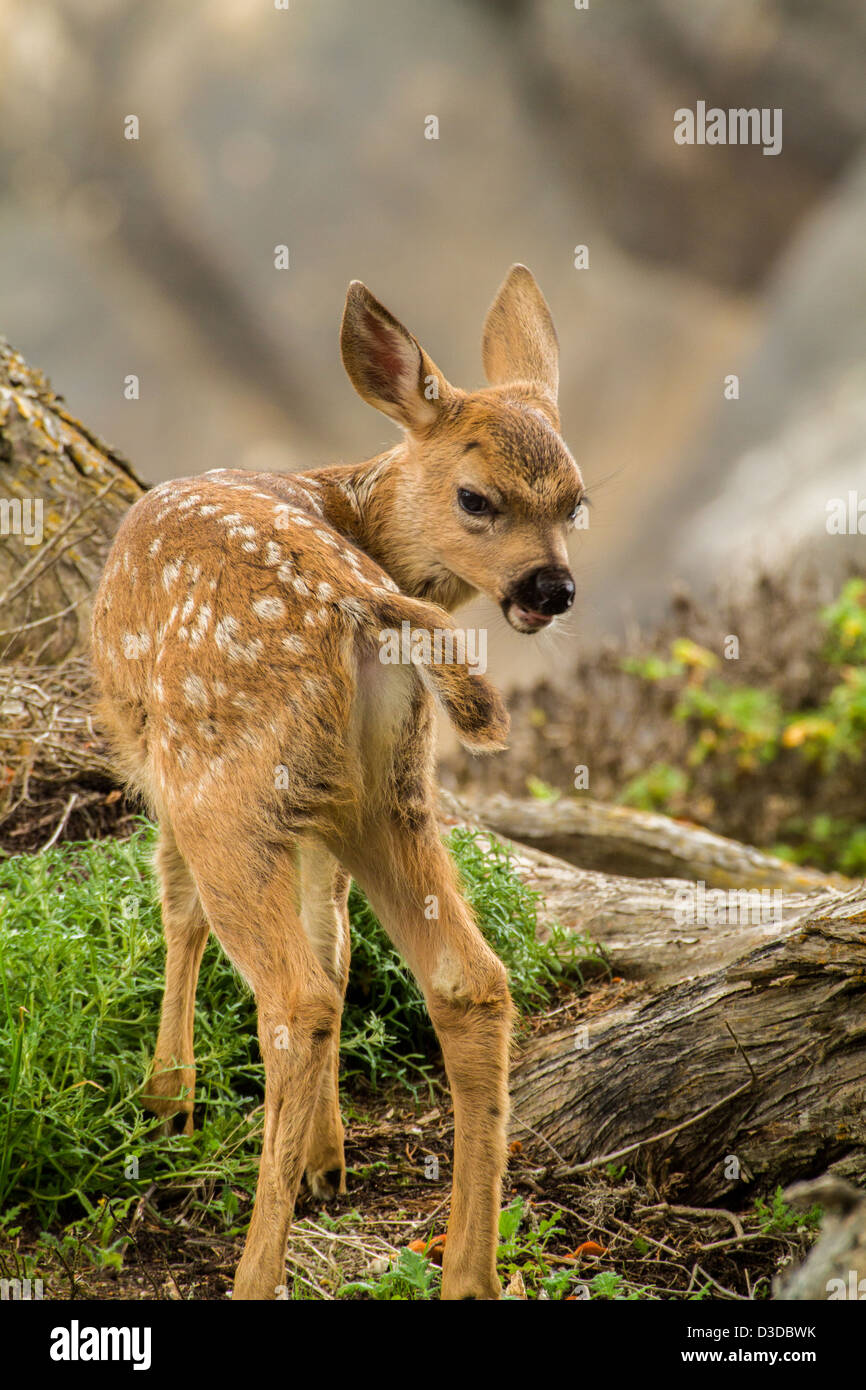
x: 301, y: 587
x: 155, y: 545
x: 200, y: 626
x: 135, y: 644
x: 353, y: 608
x: 273, y: 553
x: 170, y: 573
x: 269, y: 609
x: 230, y: 644
x: 195, y: 691
x: 294, y: 644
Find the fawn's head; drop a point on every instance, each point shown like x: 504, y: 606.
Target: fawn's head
x: 481, y: 494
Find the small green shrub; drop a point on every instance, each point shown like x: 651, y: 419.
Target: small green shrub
x: 737, y: 731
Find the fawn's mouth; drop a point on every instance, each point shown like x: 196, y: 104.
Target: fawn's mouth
x: 525, y: 619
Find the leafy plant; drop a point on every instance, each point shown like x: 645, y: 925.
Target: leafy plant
x: 779, y: 1217
x: 737, y: 731
x: 410, y: 1278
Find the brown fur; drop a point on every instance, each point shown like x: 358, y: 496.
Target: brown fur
x: 235, y: 640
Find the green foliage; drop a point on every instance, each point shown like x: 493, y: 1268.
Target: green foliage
x: 845, y: 620
x: 779, y: 1217
x: 660, y: 788
x: 410, y: 1278
x: 81, y: 972
x: 737, y: 730
x: 542, y: 791
x: 523, y: 1248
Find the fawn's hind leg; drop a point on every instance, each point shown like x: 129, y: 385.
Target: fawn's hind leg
x: 170, y: 1089
x: 249, y: 893
x: 324, y: 892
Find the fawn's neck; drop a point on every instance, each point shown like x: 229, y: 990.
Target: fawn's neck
x: 362, y: 501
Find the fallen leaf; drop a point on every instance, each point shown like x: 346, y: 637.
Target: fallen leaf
x: 434, y: 1249
x: 516, y: 1287
x: 515, y: 1147
x: 589, y: 1247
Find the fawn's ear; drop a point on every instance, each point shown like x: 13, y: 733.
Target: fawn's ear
x: 386, y: 365
x: 519, y: 342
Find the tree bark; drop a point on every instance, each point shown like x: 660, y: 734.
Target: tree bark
x: 728, y: 1056
x: 63, y: 493
x: 752, y: 1071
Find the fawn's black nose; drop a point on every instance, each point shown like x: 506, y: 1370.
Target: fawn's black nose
x: 549, y: 590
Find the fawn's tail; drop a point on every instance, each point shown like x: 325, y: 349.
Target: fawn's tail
x: 473, y: 705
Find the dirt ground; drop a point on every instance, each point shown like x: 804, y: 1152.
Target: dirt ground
x: 175, y: 1246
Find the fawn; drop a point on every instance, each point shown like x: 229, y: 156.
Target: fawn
x: 236, y: 641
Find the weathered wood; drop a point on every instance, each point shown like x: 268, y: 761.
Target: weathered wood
x: 745, y: 1038
x: 641, y: 844
x: 647, y: 926
x: 759, y: 1066
x: 63, y: 493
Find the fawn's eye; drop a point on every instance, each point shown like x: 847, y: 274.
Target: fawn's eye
x: 473, y: 502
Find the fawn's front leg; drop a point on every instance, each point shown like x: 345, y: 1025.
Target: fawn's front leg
x: 465, y: 985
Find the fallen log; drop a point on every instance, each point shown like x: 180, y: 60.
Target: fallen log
x: 640, y: 844
x: 653, y: 929
x: 731, y: 1059
x: 734, y: 1079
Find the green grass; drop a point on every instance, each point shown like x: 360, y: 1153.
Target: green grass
x: 81, y: 962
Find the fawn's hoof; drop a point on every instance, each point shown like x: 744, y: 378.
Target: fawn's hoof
x: 326, y: 1184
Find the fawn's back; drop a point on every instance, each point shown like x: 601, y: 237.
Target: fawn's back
x: 235, y: 639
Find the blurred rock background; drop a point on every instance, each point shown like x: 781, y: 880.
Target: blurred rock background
x: 305, y: 127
